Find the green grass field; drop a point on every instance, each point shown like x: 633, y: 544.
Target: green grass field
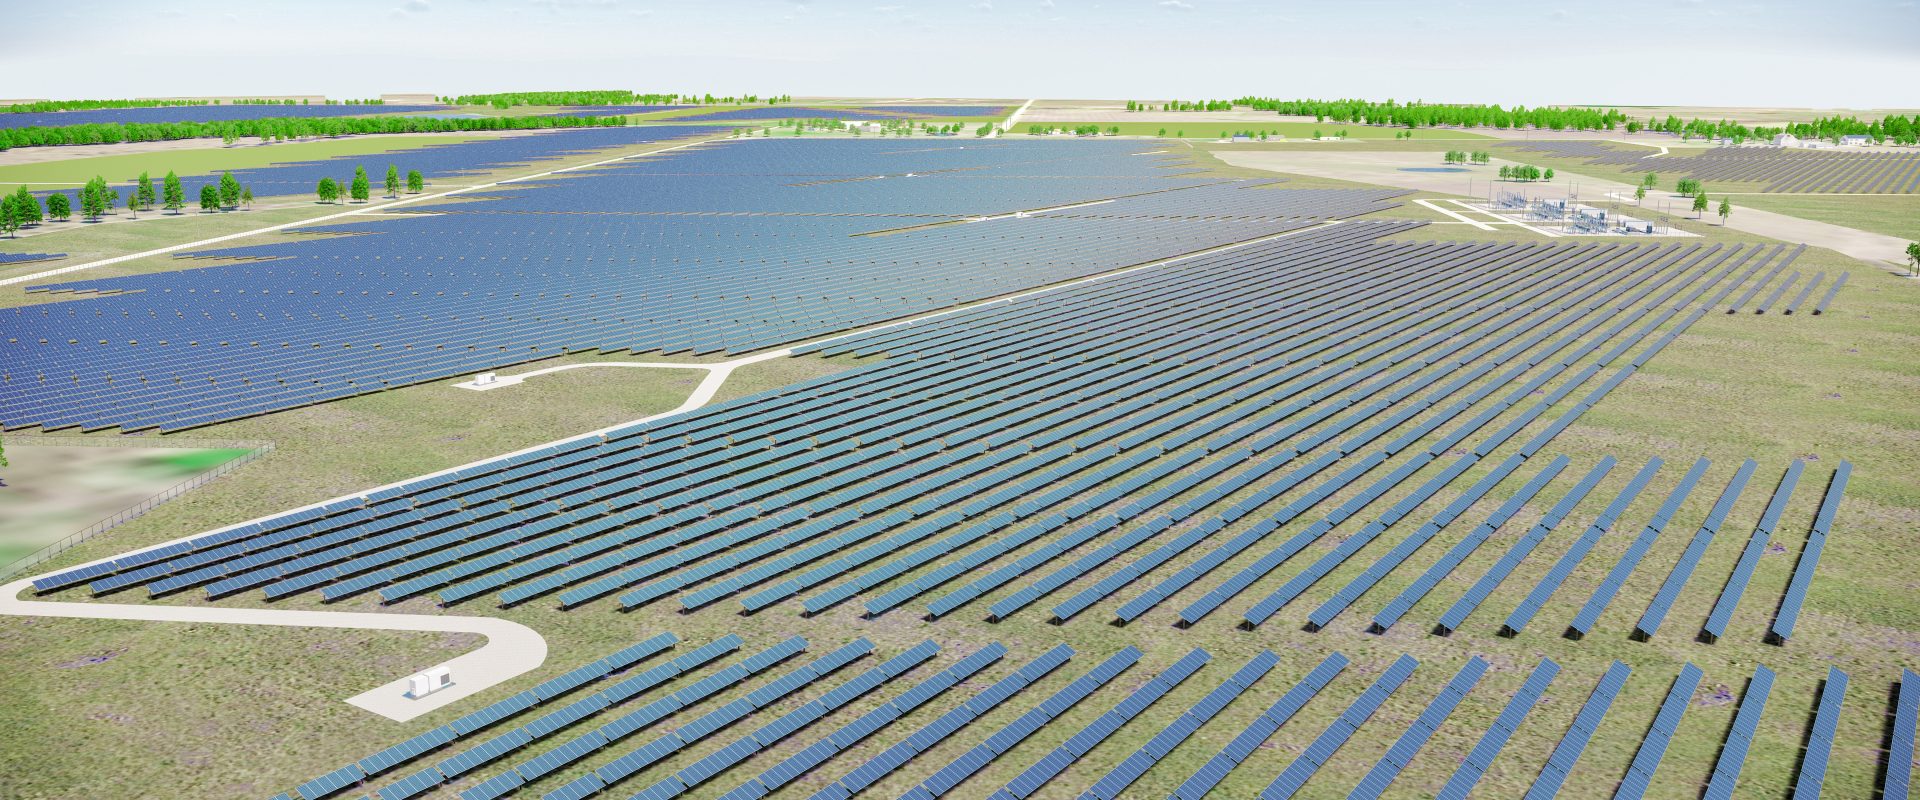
x: 205, y: 160
x: 1891, y: 214
x: 203, y: 712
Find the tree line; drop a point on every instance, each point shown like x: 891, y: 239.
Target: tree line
x: 1181, y: 105
x: 1464, y: 157
x: 22, y: 209
x: 280, y: 127
x: 1425, y: 115
x: 1892, y: 128
x: 1525, y: 172
x: 359, y: 187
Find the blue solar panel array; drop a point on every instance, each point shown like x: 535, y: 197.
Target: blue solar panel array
x: 1723, y: 608
x: 1089, y: 737
x: 1663, y: 599
x: 227, y: 113
x: 1113, y: 785
x: 1375, y: 782
x: 1577, y: 552
x: 1746, y: 721
x: 1480, y: 758
x: 927, y: 463
x: 1900, y: 752
x: 1262, y: 728
x: 1826, y: 722
x: 1653, y: 748
x: 1788, y: 615
x: 1295, y: 776
x: 492, y: 282
x: 1560, y: 762
x: 22, y: 258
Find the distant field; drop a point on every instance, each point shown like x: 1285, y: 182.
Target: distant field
x: 1893, y: 215
x: 200, y: 161
x: 1205, y: 129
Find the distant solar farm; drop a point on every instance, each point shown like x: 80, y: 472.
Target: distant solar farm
x: 1119, y: 473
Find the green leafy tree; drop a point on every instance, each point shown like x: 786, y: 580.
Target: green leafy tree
x: 1699, y: 205
x: 1726, y: 208
x: 229, y: 191
x: 246, y: 197
x: 143, y: 191
x: 416, y: 182
x: 133, y: 203
x: 27, y: 207
x: 9, y: 217
x: 328, y: 190
x: 360, y: 188
x: 209, y: 198
x: 1913, y: 257
x: 1506, y: 172
x: 59, y: 207
x: 1549, y: 173
x: 1639, y: 193
x: 93, y: 198
x: 174, y: 195
x: 393, y: 181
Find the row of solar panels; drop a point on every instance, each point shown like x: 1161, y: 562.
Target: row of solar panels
x: 714, y: 716
x: 299, y: 336
x: 435, y: 494
x: 669, y: 564
x: 1781, y: 169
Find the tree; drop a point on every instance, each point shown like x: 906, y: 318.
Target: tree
x: 416, y: 183
x: 1913, y: 256
x: 393, y: 181
x: 1549, y: 173
x: 359, y: 189
x: 246, y: 196
x: 143, y: 191
x: 133, y: 203
x: 26, y: 207
x: 1506, y: 172
x: 327, y: 190
x: 58, y: 207
x: 1639, y: 193
x: 229, y: 191
x: 173, y: 193
x: 1726, y: 207
x: 1699, y: 205
x: 93, y: 198
x: 209, y: 198
x: 9, y: 218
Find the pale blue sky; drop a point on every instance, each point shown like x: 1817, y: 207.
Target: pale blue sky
x: 1829, y: 53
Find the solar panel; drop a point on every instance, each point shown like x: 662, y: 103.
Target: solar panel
x: 1733, y: 754
x: 1654, y: 747
x: 1296, y: 774
x: 1480, y: 758
x: 1560, y: 762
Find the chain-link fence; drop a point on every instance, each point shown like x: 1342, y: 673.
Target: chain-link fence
x: 255, y: 449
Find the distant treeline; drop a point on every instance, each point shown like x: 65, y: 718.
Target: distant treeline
x: 1893, y: 127
x: 602, y: 98
x: 282, y: 128
x: 1421, y: 115
x: 94, y: 105
x: 1901, y: 130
